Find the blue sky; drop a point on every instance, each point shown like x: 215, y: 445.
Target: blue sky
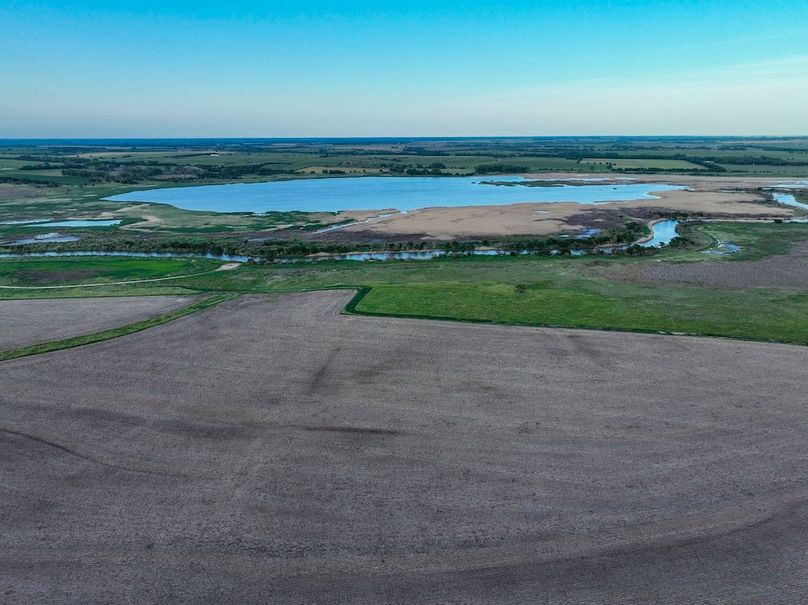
x: 361, y: 68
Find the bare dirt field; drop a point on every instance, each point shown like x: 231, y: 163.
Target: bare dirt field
x: 276, y: 451
x: 778, y: 271
x: 27, y: 322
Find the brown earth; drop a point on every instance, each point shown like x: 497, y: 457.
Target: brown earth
x: 778, y: 271
x: 279, y: 452
x: 27, y: 322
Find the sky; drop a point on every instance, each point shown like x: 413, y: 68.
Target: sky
x: 427, y: 68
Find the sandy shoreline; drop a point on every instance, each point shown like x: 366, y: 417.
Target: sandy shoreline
x: 711, y: 197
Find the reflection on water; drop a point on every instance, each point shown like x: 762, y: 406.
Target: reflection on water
x: 44, y: 238
x: 788, y: 199
x: 378, y: 193
x: 225, y: 257
x: 663, y: 232
x: 76, y: 223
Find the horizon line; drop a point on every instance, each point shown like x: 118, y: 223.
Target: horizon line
x: 404, y: 137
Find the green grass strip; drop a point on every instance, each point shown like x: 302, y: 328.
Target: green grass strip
x: 764, y: 333
x: 77, y: 341
x: 357, y: 298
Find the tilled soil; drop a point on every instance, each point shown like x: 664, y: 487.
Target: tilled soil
x: 276, y: 451
x: 780, y: 271
x: 27, y: 322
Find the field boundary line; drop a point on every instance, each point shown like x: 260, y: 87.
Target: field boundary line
x: 78, y: 341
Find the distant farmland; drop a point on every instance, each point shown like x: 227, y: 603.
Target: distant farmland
x: 642, y: 164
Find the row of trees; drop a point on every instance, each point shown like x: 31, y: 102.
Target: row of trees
x: 279, y: 249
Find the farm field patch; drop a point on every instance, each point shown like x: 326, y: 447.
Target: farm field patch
x: 27, y: 322
x: 643, y: 164
x: 267, y: 441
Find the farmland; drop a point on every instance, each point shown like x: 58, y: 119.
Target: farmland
x: 302, y: 454
x: 403, y: 303
x: 537, y: 427
x: 660, y: 164
x: 27, y: 322
x: 757, y: 293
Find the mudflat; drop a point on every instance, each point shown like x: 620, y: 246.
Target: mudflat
x: 27, y: 322
x: 549, y: 218
x: 273, y: 450
x: 716, y: 197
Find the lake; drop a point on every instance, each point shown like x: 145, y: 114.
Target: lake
x: 73, y: 223
x: 663, y: 232
x: 789, y: 200
x: 377, y: 193
x: 45, y: 238
x: 223, y: 257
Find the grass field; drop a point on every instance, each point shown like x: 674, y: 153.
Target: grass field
x: 755, y: 315
x: 36, y: 272
x: 756, y: 239
x: 642, y: 164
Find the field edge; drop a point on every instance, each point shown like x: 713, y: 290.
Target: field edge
x: 352, y: 308
x: 93, y: 337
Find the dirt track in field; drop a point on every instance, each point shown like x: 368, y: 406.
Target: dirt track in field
x: 27, y: 322
x: 275, y: 451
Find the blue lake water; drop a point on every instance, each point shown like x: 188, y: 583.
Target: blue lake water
x: 789, y: 200
x: 25, y: 222
x: 411, y: 255
x: 793, y: 185
x: 377, y: 193
x: 223, y: 257
x: 45, y: 238
x: 76, y: 223
x: 663, y: 233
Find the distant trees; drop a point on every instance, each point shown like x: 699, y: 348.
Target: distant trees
x: 434, y: 169
x: 502, y: 168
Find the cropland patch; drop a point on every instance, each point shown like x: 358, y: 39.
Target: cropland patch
x: 277, y: 451
x: 46, y: 273
x: 641, y: 164
x: 782, y: 271
x: 27, y: 322
x: 15, y: 192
